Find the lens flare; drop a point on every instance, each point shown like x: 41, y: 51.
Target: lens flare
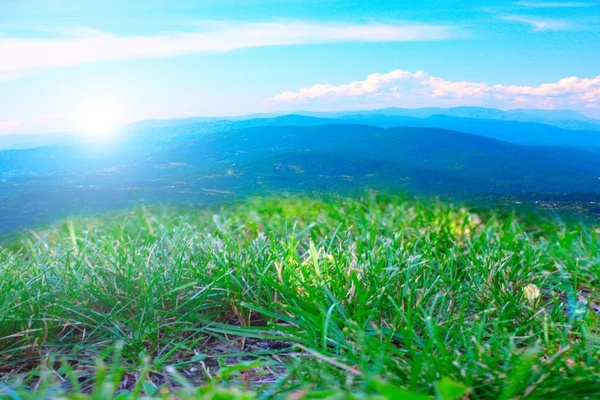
x: 98, y: 121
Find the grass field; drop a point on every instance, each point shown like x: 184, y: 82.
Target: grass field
x: 297, y: 298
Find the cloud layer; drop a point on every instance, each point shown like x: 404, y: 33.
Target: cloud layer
x: 408, y: 89
x: 24, y: 56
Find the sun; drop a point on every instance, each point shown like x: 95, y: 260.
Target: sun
x: 98, y: 121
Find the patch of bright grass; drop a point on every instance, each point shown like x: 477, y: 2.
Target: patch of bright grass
x: 297, y: 298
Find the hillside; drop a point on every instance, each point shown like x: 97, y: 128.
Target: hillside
x: 367, y: 296
x: 259, y: 142
x: 343, y: 174
x: 504, y: 166
x: 518, y: 132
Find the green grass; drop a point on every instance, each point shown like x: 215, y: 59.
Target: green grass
x: 297, y: 298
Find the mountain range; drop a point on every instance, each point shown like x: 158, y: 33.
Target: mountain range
x: 200, y: 160
x: 550, y: 127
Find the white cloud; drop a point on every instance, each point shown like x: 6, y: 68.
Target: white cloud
x: 24, y: 56
x: 418, y: 89
x: 8, y: 126
x: 540, y: 24
x: 573, y: 4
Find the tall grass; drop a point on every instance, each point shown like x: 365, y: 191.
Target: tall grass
x: 278, y: 297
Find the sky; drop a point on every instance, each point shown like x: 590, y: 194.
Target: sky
x: 67, y: 63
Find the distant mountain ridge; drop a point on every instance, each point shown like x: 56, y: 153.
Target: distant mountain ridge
x: 565, y: 119
x: 507, y: 125
x: 526, y: 133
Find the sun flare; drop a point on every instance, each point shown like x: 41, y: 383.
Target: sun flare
x: 98, y: 122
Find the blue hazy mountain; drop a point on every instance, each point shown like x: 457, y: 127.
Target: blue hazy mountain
x: 527, y: 133
x: 536, y: 127
x: 22, y: 141
x: 566, y: 119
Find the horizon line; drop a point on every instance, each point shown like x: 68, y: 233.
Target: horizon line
x: 274, y: 114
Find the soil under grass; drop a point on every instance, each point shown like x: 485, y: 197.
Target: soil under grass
x: 299, y: 298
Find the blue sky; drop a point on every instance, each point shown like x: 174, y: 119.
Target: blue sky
x: 165, y: 59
